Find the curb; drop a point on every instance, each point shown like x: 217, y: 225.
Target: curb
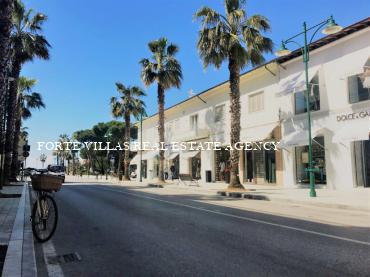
x: 288, y: 200
x: 320, y: 204
x: 20, y: 257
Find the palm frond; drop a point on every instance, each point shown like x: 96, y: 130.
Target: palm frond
x: 258, y: 22
x: 26, y: 113
x: 34, y: 101
x: 234, y: 36
x: 208, y: 17
x: 27, y: 41
x: 37, y: 21
x: 172, y: 49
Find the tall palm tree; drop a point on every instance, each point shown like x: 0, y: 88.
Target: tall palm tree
x: 26, y: 101
x: 129, y: 103
x: 165, y: 70
x: 27, y: 43
x: 6, y: 11
x: 63, y: 153
x: 239, y: 40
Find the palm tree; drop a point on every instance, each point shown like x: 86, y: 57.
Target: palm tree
x: 26, y: 101
x: 63, y: 153
x: 129, y: 103
x: 239, y: 40
x: 6, y: 11
x: 27, y: 43
x: 165, y: 70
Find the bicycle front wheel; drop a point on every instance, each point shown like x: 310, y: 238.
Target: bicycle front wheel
x: 44, y: 218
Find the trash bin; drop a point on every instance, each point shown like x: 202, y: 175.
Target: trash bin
x: 208, y: 176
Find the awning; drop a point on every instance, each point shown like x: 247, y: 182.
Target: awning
x: 145, y: 156
x: 299, y: 137
x: 189, y: 154
x: 258, y: 133
x: 136, y: 159
x: 296, y: 82
x: 352, y: 130
x: 173, y: 155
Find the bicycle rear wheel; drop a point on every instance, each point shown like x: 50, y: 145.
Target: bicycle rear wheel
x: 44, y: 218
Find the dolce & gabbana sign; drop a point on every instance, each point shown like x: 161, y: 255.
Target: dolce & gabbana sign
x: 352, y: 116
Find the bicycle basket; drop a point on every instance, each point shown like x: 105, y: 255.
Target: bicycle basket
x: 46, y: 182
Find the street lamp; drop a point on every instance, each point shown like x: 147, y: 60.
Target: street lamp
x: 141, y: 146
x: 330, y: 28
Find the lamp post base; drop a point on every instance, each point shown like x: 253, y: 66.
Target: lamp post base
x: 312, y: 193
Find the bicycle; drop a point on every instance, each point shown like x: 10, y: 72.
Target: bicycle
x: 44, y: 216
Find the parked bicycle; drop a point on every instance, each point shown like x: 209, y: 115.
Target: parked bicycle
x: 44, y: 215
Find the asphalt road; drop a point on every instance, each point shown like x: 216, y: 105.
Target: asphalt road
x: 121, y: 232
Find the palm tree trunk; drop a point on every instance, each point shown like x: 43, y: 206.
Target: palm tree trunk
x: 6, y: 8
x: 73, y: 164
x: 17, y: 131
x: 11, y: 118
x: 161, y: 131
x: 119, y: 165
x: 235, y: 121
x: 127, y: 152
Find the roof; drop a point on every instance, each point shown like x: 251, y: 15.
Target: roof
x: 358, y: 26
x: 328, y: 39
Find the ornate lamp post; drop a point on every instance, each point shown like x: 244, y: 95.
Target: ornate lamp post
x: 330, y: 28
x: 141, y: 146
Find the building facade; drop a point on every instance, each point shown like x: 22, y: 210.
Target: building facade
x: 273, y: 109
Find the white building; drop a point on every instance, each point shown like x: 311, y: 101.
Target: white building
x: 273, y: 109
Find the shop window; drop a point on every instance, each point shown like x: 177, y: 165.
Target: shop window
x: 144, y: 168
x: 219, y: 113
x: 300, y: 97
x: 222, y: 159
x: 194, y: 122
x: 356, y: 90
x: 256, y: 102
x: 361, y: 151
x: 260, y: 165
x: 318, y: 158
x: 195, y: 166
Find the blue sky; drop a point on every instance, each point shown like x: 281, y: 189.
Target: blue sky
x: 96, y: 43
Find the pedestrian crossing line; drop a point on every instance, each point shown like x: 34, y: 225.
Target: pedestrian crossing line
x: 241, y: 217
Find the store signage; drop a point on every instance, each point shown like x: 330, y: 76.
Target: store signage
x: 352, y: 116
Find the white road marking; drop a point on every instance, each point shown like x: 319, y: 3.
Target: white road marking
x: 243, y: 218
x: 54, y: 270
x: 48, y: 250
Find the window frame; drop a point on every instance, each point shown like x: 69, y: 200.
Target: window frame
x: 222, y: 117
x: 194, y: 127
x: 348, y: 89
x: 304, y: 96
x: 255, y: 94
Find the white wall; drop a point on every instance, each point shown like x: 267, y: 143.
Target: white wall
x: 336, y: 62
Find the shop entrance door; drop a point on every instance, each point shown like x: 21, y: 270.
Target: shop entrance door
x: 362, y: 162
x: 270, y: 175
x: 367, y: 163
x: 249, y: 166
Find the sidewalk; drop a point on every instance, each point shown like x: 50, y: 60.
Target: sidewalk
x: 8, y: 210
x: 16, y: 232
x: 356, y: 199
